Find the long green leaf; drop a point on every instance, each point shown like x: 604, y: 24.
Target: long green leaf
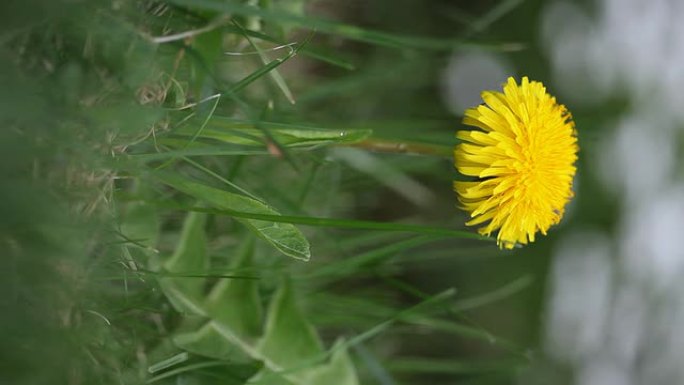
x: 283, y: 236
x: 190, y: 255
x: 338, y: 223
x: 240, y: 132
x: 236, y: 302
x: 289, y: 339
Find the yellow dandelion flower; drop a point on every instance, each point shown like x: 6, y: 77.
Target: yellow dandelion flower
x: 522, y: 153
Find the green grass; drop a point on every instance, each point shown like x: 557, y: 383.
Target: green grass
x: 173, y: 214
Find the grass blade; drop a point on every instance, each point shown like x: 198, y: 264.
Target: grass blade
x: 306, y: 51
x: 274, y: 74
x: 334, y: 222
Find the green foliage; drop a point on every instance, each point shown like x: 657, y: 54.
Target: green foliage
x: 190, y: 257
x: 231, y: 318
x: 158, y: 158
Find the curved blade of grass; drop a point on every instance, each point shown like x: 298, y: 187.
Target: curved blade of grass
x: 496, y: 295
x: 272, y: 65
x: 307, y: 51
x: 274, y: 74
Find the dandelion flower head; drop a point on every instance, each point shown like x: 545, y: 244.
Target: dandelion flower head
x: 521, y: 155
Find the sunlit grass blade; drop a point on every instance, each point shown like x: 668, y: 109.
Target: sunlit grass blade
x: 239, y: 133
x: 245, y: 132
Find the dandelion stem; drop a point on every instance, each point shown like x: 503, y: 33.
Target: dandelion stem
x: 402, y: 147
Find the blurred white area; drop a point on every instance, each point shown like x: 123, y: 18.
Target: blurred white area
x: 468, y: 74
x: 637, y: 156
x: 576, y: 327
x: 605, y: 371
x: 631, y: 46
x: 650, y: 248
x: 630, y: 50
x: 571, y: 41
